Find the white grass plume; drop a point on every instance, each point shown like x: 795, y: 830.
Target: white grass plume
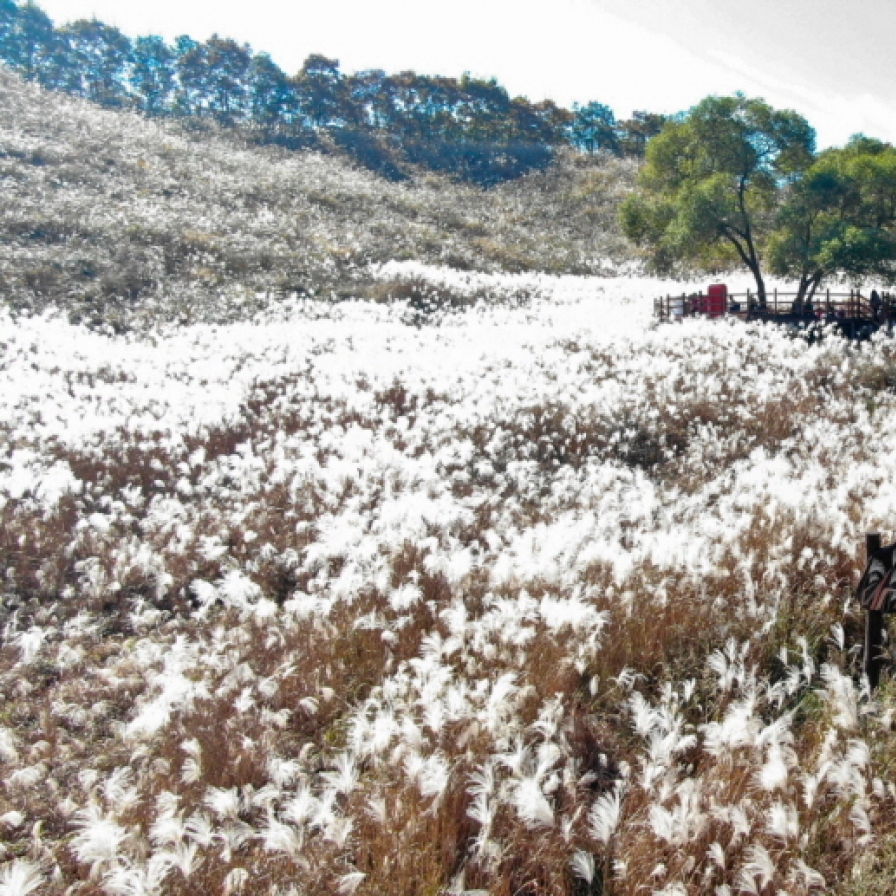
x: 20, y: 878
x: 603, y: 819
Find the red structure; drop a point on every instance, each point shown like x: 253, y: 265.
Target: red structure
x: 716, y: 300
x: 712, y: 303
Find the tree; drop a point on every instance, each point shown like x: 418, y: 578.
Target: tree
x: 152, y: 76
x: 228, y: 65
x: 839, y: 218
x: 214, y: 78
x: 714, y: 181
x: 273, y: 103
x: 29, y: 40
x: 428, y: 109
x: 483, y: 110
x: 373, y: 93
x: 98, y: 56
x: 9, y: 16
x: 634, y: 132
x: 323, y: 92
x: 594, y: 127
x: 467, y: 126
x: 544, y: 123
x: 190, y: 65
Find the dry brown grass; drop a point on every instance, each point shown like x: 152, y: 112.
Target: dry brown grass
x: 272, y: 694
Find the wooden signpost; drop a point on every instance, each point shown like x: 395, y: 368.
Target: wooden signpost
x: 877, y: 595
x: 874, y: 623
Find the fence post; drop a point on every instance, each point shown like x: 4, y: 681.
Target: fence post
x: 874, y: 626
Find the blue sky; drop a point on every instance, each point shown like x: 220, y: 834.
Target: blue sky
x: 828, y: 59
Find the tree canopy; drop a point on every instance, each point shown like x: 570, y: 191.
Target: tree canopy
x: 713, y: 181
x: 594, y: 127
x: 839, y: 217
x: 736, y: 182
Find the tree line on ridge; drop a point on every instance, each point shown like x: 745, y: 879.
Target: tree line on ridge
x: 467, y: 127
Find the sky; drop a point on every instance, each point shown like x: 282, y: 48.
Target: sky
x: 830, y: 60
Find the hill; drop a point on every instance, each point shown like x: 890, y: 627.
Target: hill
x: 469, y: 127
x: 118, y: 218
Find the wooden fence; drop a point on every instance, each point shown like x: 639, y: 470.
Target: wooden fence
x: 852, y: 310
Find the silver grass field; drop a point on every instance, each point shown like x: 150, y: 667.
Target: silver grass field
x: 520, y: 595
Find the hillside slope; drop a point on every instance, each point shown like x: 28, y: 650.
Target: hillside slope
x: 110, y: 215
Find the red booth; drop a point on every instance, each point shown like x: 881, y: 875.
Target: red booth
x: 715, y: 302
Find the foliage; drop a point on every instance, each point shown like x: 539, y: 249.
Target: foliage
x: 594, y: 127
x: 29, y: 43
x: 633, y: 134
x: 97, y: 56
x: 839, y: 217
x: 713, y: 182
x: 152, y: 76
x: 734, y: 182
x: 486, y: 164
x: 486, y: 585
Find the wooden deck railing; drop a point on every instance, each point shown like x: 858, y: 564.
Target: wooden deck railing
x: 828, y: 306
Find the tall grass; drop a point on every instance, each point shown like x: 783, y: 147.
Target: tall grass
x: 533, y: 599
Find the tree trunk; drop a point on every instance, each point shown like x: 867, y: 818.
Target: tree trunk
x: 761, y: 294
x: 760, y: 288
x: 743, y: 245
x: 750, y: 256
x: 809, y: 284
x: 815, y: 283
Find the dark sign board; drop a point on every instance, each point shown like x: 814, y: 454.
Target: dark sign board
x: 877, y: 587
